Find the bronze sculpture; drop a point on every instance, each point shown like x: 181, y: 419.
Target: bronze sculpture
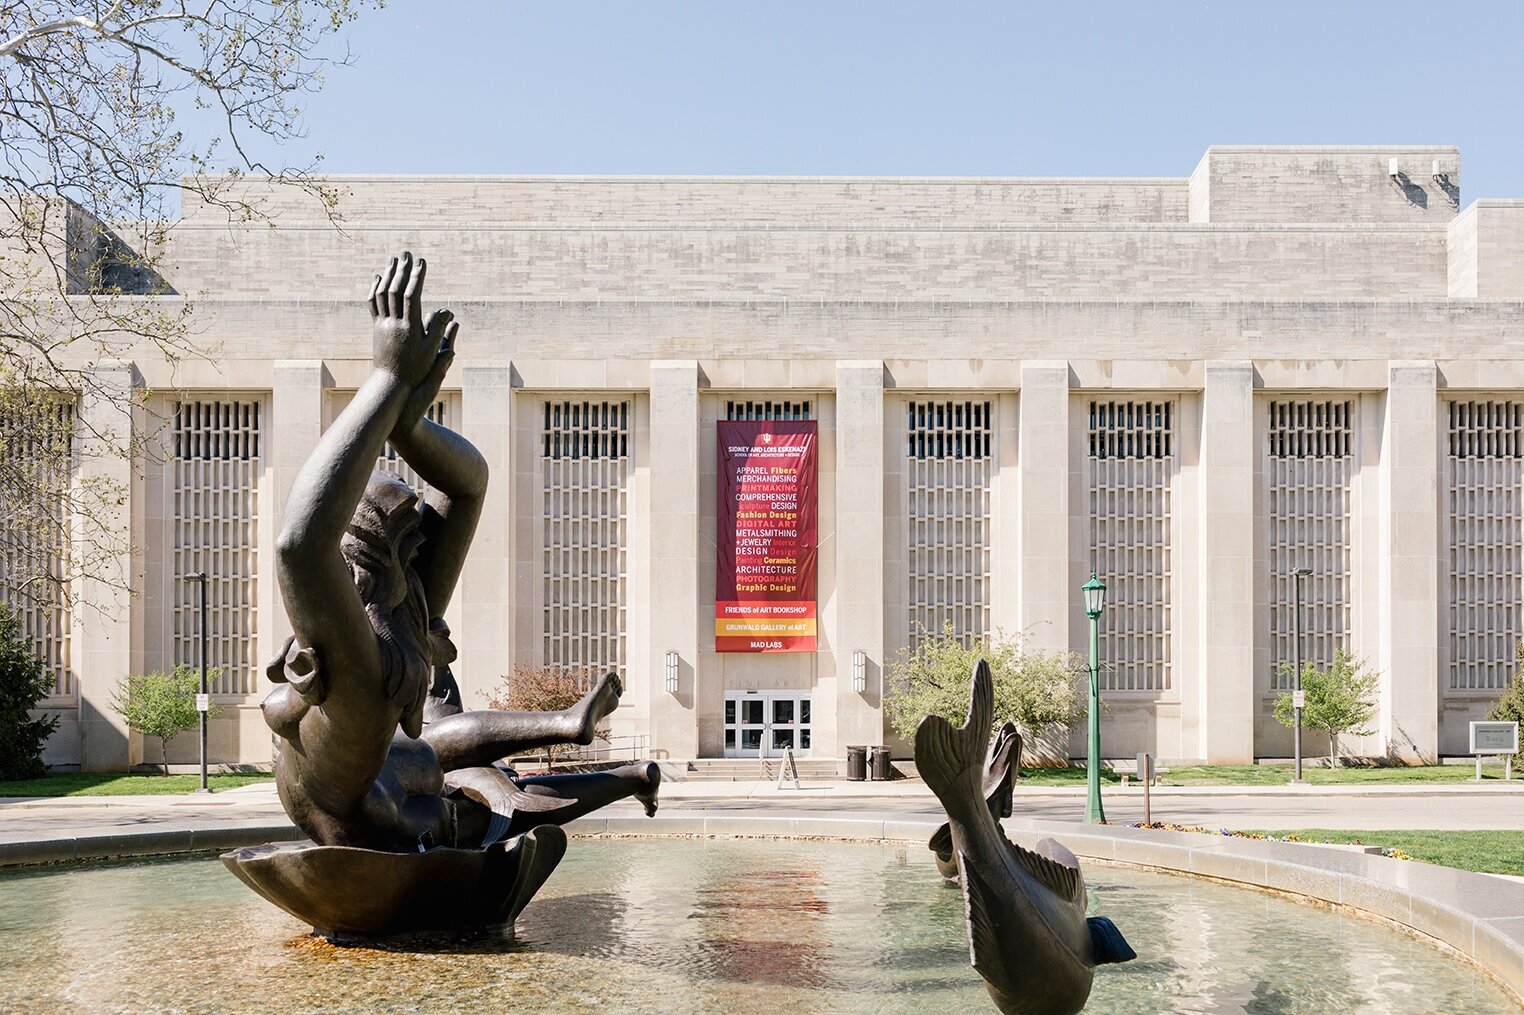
x: 999, y: 775
x: 1028, y: 934
x: 413, y: 821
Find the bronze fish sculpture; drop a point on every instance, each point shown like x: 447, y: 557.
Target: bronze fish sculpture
x: 1027, y: 930
x: 999, y: 775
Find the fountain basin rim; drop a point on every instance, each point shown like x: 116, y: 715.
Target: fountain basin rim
x: 1478, y: 916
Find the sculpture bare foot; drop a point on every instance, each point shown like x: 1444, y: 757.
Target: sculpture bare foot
x: 651, y: 778
x: 594, y: 707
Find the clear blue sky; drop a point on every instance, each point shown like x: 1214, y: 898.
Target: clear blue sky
x: 936, y: 88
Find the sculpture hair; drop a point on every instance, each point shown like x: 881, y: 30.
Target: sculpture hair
x: 392, y: 593
x: 394, y: 601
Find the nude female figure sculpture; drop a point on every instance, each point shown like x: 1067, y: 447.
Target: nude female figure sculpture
x: 368, y: 758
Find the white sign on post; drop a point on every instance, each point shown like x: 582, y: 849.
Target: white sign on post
x: 788, y: 768
x: 1298, y: 699
x: 203, y: 703
x: 1495, y: 738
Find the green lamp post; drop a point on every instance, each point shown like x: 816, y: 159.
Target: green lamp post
x: 1094, y: 592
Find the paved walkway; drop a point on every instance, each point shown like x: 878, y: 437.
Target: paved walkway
x: 1281, y: 807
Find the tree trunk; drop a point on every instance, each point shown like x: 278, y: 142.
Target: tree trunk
x: 1333, y: 749
x: 164, y: 753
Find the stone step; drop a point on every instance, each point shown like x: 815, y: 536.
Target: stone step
x: 751, y: 770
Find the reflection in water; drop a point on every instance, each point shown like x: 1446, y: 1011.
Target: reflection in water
x: 732, y: 926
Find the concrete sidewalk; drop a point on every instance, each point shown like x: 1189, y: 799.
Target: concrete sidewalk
x: 1486, y: 806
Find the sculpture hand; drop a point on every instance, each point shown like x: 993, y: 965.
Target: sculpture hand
x: 440, y: 335
x: 400, y: 344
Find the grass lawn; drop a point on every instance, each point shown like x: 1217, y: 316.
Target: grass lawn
x: 113, y: 784
x: 1063, y: 777
x: 1278, y: 775
x: 1275, y: 775
x: 1485, y: 851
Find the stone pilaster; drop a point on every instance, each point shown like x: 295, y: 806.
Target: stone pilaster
x: 108, y: 642
x: 1047, y: 593
x: 1409, y: 724
x: 296, y: 422
x: 1223, y: 696
x: 674, y: 556
x: 485, y: 637
x: 859, y: 554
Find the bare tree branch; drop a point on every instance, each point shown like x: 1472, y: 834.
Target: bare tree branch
x: 92, y: 164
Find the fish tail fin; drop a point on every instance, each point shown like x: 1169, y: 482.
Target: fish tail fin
x: 951, y: 761
x: 1107, y: 942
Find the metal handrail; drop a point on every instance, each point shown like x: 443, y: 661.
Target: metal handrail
x: 631, y: 747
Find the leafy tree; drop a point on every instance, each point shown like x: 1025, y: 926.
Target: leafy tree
x: 548, y: 688
x: 1510, y: 704
x: 1035, y: 689
x: 1340, y: 699
x: 23, y: 684
x: 162, y: 705
x: 95, y: 163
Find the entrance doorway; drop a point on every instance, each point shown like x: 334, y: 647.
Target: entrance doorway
x: 762, y: 724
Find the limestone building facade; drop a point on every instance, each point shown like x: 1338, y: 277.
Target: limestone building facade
x: 1291, y: 357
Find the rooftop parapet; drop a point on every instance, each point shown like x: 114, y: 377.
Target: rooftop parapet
x: 1486, y: 250
x: 1294, y: 184
x: 780, y: 202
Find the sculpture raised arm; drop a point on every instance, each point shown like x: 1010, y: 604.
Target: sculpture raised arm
x: 336, y: 635
x: 455, y: 472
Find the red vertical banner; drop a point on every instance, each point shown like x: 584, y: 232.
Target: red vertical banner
x: 766, y: 536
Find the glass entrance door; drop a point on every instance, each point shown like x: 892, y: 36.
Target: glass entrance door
x: 766, y: 723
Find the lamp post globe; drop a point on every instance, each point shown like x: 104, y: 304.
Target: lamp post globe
x: 1093, y: 593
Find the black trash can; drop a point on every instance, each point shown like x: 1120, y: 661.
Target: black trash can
x: 880, y: 758
x: 857, y: 763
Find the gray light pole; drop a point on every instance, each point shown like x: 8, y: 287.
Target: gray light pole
x: 201, y: 699
x: 1297, y: 574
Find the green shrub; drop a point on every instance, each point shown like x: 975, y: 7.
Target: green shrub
x: 23, y: 684
x: 1510, y: 704
x: 162, y: 705
x: 1035, y: 689
x: 548, y: 688
x: 1341, y: 699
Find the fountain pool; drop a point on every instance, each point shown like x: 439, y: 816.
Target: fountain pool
x: 732, y: 926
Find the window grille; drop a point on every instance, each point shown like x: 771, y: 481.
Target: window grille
x: 35, y: 440
x: 767, y: 410
x: 948, y: 457
x: 1484, y: 470
x: 585, y: 466
x: 1131, y: 463
x: 215, y: 475
x: 1310, y: 462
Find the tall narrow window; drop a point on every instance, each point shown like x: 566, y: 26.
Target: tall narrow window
x: 1131, y: 463
x: 1484, y: 474
x: 949, y: 453
x: 36, y: 450
x: 1310, y: 458
x: 215, y: 475
x: 585, y: 466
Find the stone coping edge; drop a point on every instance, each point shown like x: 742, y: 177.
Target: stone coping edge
x: 1479, y: 916
x: 67, y: 849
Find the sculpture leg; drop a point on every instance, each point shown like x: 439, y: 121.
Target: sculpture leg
x: 474, y: 739
x: 557, y: 799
